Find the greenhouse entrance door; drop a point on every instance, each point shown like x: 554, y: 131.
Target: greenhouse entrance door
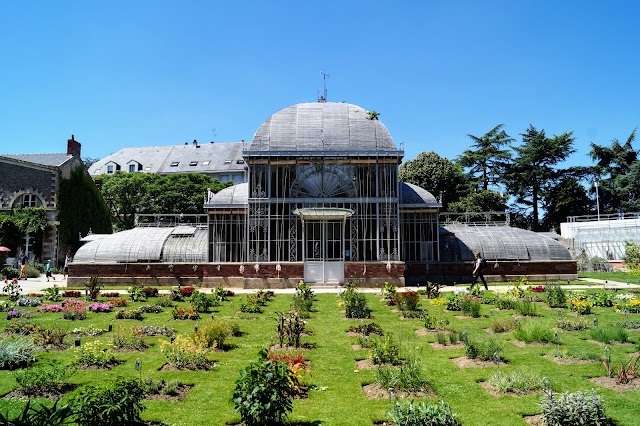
x: 323, y: 251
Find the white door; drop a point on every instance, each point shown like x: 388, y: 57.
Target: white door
x: 323, y: 253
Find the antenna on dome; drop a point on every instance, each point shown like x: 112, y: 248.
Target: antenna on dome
x: 323, y: 97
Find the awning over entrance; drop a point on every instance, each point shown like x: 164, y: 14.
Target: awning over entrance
x: 323, y: 213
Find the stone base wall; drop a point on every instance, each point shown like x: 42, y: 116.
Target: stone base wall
x: 267, y: 275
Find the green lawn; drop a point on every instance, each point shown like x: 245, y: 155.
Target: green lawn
x: 623, y: 277
x: 338, y: 398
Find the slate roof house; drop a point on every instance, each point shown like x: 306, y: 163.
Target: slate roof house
x: 222, y: 161
x: 32, y: 180
x: 322, y: 202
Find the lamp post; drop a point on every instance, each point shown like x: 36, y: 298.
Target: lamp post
x: 597, y: 200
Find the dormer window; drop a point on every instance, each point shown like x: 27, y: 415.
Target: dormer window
x: 240, y: 162
x: 110, y: 169
x: 227, y: 161
x: 206, y: 163
x: 175, y: 164
x: 193, y: 163
x: 132, y: 168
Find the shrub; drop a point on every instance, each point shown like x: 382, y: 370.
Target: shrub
x: 388, y: 291
x: 119, y: 403
x: 9, y: 272
x: 367, y: 329
x: 482, y: 348
x: 576, y: 352
x: 161, y: 386
x: 304, y: 291
x: 130, y: 314
x: 355, y: 304
x: 432, y: 290
x: 406, y: 377
x: 220, y: 294
x: 101, y: 307
x: 18, y: 313
x: 384, y: 351
x: 213, y: 334
x: 28, y: 302
x: 503, y: 325
x: 53, y: 294
x: 537, y: 289
x: 21, y: 326
x: 50, y: 336
x: 454, y: 302
x: 73, y: 309
x: 32, y: 271
x: 184, y: 352
x: 95, y: 354
x: 422, y: 413
x: 534, y: 332
x: 92, y: 288
x: 12, y: 289
x: 119, y: 302
x: 149, y: 309
x: 290, y: 328
x: 187, y: 291
x: 470, y: 305
x: 91, y: 331
x: 571, y: 325
x: 527, y: 308
x: 302, y: 305
x: 556, y: 296
x: 581, y: 306
x: 165, y: 302
x: 201, y: 302
x: 609, y: 334
x: 150, y: 291
x: 41, y: 415
x: 43, y: 378
x: 73, y: 293
x: 154, y: 330
x: 507, y: 301
x: 130, y: 341
x: 264, y: 392
x: 176, y: 296
x: 136, y: 294
x: 110, y: 294
x: 250, y: 305
x: 16, y: 352
x: 184, y: 314
x: 518, y: 381
x: 408, y: 300
x: 604, y: 299
x: 573, y: 409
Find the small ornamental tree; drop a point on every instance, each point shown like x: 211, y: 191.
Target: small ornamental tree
x: 264, y: 392
x: 631, y: 256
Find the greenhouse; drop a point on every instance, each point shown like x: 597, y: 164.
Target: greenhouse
x: 322, y: 202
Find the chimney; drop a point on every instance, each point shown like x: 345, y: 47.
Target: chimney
x: 195, y: 143
x: 73, y: 147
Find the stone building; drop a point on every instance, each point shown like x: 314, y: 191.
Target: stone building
x: 32, y: 180
x: 322, y: 202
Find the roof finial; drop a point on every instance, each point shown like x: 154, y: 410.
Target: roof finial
x: 323, y: 97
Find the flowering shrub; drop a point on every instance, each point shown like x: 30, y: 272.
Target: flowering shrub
x: 184, y: 314
x: 12, y: 289
x: 110, y: 294
x: 119, y: 302
x: 134, y: 314
x: 27, y: 301
x: 150, y: 309
x: 18, y: 313
x: 187, y: 291
x: 123, y: 340
x: 71, y: 293
x: 101, y: 307
x: 50, y: 308
x: 470, y: 305
x: 154, y: 330
x: 74, y: 309
x: 407, y: 300
x: 581, y: 306
x: 150, y: 291
x: 184, y: 352
x: 95, y: 353
x: 538, y: 289
x: 88, y: 331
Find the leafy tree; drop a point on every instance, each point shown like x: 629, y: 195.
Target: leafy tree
x: 631, y: 256
x: 618, y: 173
x: 82, y: 209
x: 486, y: 159
x: 444, y: 179
x: 567, y: 198
x: 22, y: 221
x: 532, y: 173
x: 481, y: 201
x: 129, y: 194
x: 88, y: 162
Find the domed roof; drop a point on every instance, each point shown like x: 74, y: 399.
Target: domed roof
x: 232, y: 196
x: 322, y: 126
x: 459, y: 242
x: 413, y: 196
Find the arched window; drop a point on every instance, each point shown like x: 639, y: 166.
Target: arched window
x: 27, y: 200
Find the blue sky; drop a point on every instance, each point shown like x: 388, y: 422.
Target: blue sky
x: 135, y: 73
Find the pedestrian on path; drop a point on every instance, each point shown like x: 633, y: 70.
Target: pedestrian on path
x: 65, y: 270
x: 48, y: 272
x: 478, y: 272
x: 24, y: 261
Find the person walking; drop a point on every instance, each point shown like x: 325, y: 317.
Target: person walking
x: 24, y: 261
x: 47, y: 271
x: 478, y: 271
x: 65, y: 270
